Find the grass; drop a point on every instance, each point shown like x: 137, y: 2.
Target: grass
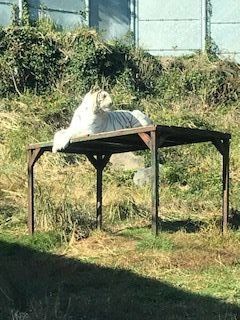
x: 122, y: 273
x: 67, y: 270
x: 42, y: 242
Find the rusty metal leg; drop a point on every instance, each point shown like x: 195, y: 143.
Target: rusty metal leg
x: 225, y: 179
x: 155, y: 189
x: 30, y: 194
x: 99, y: 196
x: 99, y: 162
x: 33, y: 156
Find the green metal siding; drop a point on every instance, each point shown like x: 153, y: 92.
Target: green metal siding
x: 68, y: 14
x: 6, y: 9
x: 112, y: 17
x: 225, y: 27
x: 172, y: 27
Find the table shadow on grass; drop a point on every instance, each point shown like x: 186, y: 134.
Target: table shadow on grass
x: 37, y: 285
x: 171, y: 226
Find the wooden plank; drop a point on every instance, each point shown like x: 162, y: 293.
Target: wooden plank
x: 169, y: 143
x: 117, y: 133
x: 99, y: 162
x: 145, y: 138
x: 96, y: 151
x: 33, y: 157
x: 219, y: 146
x: 101, y: 147
x: 97, y: 136
x: 155, y: 177
x: 30, y: 194
x: 177, y: 134
x: 225, y: 179
x: 194, y: 132
x: 46, y: 146
x: 99, y: 196
x: 107, y: 146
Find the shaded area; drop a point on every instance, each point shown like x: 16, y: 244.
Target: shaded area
x: 113, y: 17
x: 65, y: 14
x: 234, y: 219
x: 171, y: 226
x: 188, y: 225
x: 56, y: 287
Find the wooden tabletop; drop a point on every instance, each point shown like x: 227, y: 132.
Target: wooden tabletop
x: 129, y: 139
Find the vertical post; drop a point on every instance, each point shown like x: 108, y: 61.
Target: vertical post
x: 136, y: 35
x: 99, y: 162
x: 87, y: 11
x: 225, y: 180
x: 30, y: 194
x: 33, y: 156
x: 99, y: 168
x: 133, y: 18
x: 155, y: 175
x: 20, y: 8
x: 204, y: 23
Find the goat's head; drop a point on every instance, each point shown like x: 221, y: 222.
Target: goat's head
x: 97, y: 101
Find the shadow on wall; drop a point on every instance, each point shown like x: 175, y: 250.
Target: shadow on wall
x: 35, y: 6
x: 45, y: 286
x: 113, y: 17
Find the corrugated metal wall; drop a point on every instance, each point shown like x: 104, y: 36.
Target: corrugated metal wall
x: 172, y: 27
x: 225, y: 26
x: 6, y: 10
x: 112, y: 17
x: 65, y: 13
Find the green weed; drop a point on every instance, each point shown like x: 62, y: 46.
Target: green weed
x: 41, y: 241
x: 151, y: 242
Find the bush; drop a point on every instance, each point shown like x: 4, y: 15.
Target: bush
x: 29, y: 60
x: 36, y: 58
x: 93, y: 61
x: 212, y: 82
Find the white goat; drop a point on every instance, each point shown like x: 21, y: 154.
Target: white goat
x: 93, y: 116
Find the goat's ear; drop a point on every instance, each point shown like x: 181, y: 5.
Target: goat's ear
x: 94, y: 88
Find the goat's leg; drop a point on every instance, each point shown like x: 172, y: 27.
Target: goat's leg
x: 61, y: 139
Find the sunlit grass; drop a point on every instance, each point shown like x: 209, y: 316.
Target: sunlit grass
x: 123, y: 272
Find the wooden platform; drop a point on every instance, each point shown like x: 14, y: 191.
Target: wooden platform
x: 99, y: 148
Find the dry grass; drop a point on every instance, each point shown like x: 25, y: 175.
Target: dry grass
x: 180, y: 250
x: 110, y: 275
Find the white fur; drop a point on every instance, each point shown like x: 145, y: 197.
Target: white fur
x: 93, y: 116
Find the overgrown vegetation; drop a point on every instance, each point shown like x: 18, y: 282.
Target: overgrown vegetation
x: 43, y: 76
